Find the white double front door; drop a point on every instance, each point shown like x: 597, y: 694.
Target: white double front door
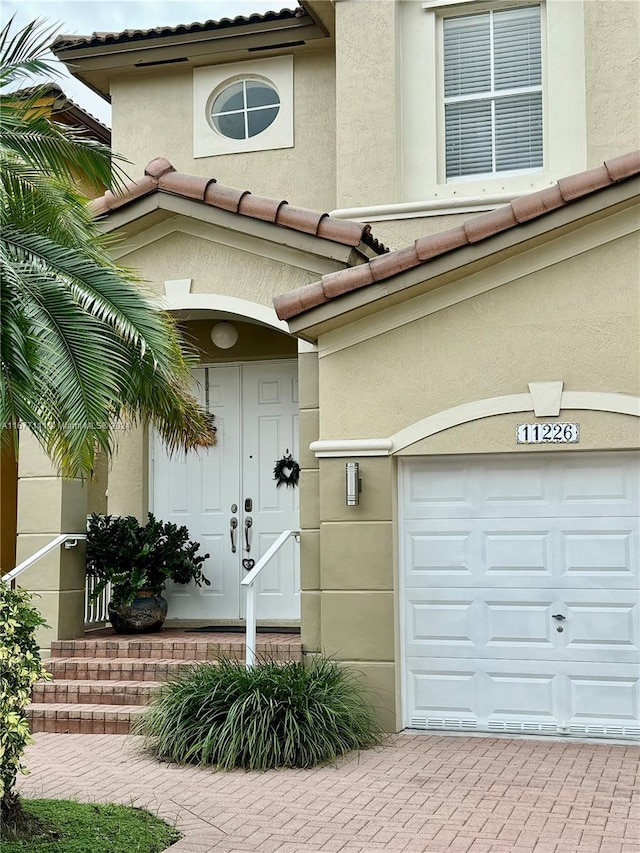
x: 227, y: 496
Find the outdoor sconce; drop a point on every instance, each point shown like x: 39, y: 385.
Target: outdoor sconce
x: 224, y: 335
x: 353, y: 483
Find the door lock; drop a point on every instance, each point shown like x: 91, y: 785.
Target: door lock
x: 248, y: 505
x: 558, y: 616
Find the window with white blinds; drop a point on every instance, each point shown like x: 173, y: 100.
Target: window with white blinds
x: 493, y: 92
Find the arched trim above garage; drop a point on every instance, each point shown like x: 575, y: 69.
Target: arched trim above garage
x: 543, y: 400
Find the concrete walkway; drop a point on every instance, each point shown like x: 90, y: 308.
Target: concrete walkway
x: 433, y: 794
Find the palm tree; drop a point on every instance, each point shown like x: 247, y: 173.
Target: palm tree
x: 82, y: 344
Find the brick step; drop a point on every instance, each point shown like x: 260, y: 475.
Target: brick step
x: 280, y: 647
x: 115, y: 669
x: 82, y: 719
x: 97, y: 692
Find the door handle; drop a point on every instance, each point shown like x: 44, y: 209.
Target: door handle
x: 233, y: 523
x: 247, y: 524
x: 558, y: 616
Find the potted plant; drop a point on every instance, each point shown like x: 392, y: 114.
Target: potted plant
x: 138, y: 560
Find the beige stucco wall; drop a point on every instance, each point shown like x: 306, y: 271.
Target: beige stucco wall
x: 612, y: 70
x: 578, y: 321
x: 366, y: 87
x: 153, y: 115
x: 215, y: 268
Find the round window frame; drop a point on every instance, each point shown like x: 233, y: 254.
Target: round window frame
x: 230, y: 81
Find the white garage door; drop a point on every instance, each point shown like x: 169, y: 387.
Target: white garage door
x: 521, y: 593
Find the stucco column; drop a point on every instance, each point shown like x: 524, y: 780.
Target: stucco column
x: 310, y: 598
x: 47, y: 506
x: 128, y: 492
x: 357, y: 578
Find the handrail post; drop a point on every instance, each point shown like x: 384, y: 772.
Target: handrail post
x: 250, y: 639
x: 249, y: 582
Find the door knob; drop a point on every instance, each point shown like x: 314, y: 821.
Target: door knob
x: 247, y: 524
x: 558, y: 616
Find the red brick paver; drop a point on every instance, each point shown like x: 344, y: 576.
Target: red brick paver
x: 417, y: 794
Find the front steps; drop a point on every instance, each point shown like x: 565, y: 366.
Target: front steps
x: 101, y: 683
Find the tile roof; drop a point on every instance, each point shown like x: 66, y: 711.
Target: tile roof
x: 160, y: 175
x: 481, y: 227
x: 97, y: 39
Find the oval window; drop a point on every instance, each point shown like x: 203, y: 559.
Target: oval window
x: 244, y: 109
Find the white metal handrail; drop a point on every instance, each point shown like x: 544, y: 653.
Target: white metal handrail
x: 70, y: 540
x: 249, y: 583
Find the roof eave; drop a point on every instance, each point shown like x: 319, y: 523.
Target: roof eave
x: 95, y: 64
x: 462, y: 262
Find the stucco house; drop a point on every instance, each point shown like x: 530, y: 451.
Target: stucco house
x: 403, y: 236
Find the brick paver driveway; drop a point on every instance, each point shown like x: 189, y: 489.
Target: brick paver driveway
x: 418, y: 793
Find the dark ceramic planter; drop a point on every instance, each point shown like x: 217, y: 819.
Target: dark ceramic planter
x: 145, y: 614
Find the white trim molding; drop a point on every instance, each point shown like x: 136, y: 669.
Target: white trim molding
x: 352, y: 447
x: 423, y: 209
x: 596, y: 401
x: 181, y: 301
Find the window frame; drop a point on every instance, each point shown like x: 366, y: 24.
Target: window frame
x: 420, y: 115
x: 210, y: 81
x: 491, y: 96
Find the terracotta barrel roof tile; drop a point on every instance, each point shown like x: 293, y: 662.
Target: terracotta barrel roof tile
x: 336, y: 283
x: 393, y: 262
x: 189, y: 186
x: 260, y: 207
x: 341, y: 230
x: 488, y: 224
x: 302, y: 299
x: 436, y: 244
x: 575, y: 186
x: 159, y: 166
x: 226, y: 198
x: 300, y: 218
x: 131, y: 191
x: 536, y: 204
x: 623, y: 167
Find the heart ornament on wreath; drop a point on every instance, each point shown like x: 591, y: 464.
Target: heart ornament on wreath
x: 286, y: 471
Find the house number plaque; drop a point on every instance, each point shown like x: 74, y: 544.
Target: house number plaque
x: 548, y: 433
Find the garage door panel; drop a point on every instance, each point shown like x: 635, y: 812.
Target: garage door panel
x: 519, y: 624
x: 484, y: 695
x: 562, y: 552
x: 536, y: 487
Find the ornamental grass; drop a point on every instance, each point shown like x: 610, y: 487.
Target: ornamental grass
x: 272, y: 715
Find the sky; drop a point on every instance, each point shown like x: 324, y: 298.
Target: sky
x: 82, y: 17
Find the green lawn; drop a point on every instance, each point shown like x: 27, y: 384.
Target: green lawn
x: 70, y: 827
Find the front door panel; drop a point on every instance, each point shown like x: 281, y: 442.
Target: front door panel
x: 256, y: 409
x: 270, y: 413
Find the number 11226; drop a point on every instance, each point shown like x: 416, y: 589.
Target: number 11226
x: 543, y: 433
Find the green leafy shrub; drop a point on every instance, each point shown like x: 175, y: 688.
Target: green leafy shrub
x: 132, y: 556
x: 273, y: 715
x: 20, y: 668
